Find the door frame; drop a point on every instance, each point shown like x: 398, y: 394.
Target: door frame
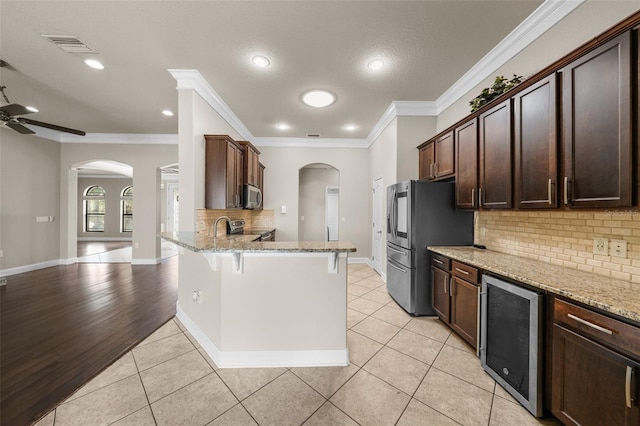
x: 377, y: 204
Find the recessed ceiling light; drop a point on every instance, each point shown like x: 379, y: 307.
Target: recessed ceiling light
x: 350, y: 127
x: 261, y: 61
x: 94, y: 63
x: 168, y: 113
x: 318, y: 98
x: 282, y: 126
x: 376, y: 64
x: 32, y: 109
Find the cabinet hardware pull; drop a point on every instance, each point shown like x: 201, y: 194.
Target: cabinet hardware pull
x: 462, y: 271
x: 549, y: 191
x: 627, y: 386
x: 566, y: 190
x: 440, y: 262
x: 479, y: 197
x: 397, y: 251
x: 590, y: 324
x: 431, y: 170
x: 444, y: 285
x: 473, y: 197
x: 451, y: 286
x: 435, y: 170
x: 399, y: 269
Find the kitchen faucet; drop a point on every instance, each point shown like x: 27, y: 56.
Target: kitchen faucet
x: 215, y: 225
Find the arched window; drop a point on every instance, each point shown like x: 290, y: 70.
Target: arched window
x: 94, y: 209
x: 126, y: 209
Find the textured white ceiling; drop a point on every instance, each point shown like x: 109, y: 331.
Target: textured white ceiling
x: 427, y: 46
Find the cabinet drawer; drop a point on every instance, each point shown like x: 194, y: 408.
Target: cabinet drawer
x: 440, y: 261
x: 600, y: 328
x: 466, y: 272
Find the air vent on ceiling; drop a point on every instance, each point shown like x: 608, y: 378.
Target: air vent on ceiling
x: 313, y: 135
x: 69, y: 44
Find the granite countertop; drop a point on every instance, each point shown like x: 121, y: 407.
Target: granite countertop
x: 245, y: 243
x: 608, y: 294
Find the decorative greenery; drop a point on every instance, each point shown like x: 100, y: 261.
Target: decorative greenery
x: 500, y: 86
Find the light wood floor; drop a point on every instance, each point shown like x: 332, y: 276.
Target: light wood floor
x: 61, y: 326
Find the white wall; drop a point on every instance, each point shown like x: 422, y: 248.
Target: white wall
x: 412, y: 131
x: 281, y: 189
x: 29, y: 175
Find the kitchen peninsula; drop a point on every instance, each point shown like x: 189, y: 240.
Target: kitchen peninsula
x: 264, y: 304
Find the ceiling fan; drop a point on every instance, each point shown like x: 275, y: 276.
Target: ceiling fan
x: 9, y: 116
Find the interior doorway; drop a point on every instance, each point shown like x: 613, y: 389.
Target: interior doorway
x: 318, y: 203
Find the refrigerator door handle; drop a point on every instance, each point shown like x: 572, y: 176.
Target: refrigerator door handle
x: 404, y: 271
x: 396, y: 251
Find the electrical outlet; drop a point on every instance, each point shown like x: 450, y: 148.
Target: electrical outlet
x: 483, y: 231
x: 601, y: 246
x: 136, y: 245
x: 619, y: 248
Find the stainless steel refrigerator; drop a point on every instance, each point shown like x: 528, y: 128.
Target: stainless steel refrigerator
x: 420, y: 214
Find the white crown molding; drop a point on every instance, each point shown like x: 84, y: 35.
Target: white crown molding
x: 311, y: 142
x: 541, y: 20
x: 401, y: 109
x: 192, y: 79
x: 122, y: 138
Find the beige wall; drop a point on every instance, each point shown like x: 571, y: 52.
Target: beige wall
x: 196, y: 118
x: 29, y: 175
x: 281, y: 189
x: 412, y: 131
x: 583, y: 24
x: 145, y: 160
x: 113, y: 189
x: 313, y: 182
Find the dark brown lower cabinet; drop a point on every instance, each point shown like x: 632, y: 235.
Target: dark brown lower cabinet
x: 592, y: 385
x: 440, y: 285
x: 464, y: 309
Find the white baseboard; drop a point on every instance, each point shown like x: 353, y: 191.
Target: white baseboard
x: 262, y: 359
x: 146, y: 261
x: 32, y: 267
x: 359, y: 260
x: 105, y: 239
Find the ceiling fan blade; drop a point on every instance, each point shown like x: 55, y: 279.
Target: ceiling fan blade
x: 14, y: 109
x: 19, y: 128
x: 52, y: 126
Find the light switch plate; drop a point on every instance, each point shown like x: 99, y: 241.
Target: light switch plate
x: 601, y: 246
x: 619, y: 248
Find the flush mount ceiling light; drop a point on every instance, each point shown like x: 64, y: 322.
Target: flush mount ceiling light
x: 318, y: 98
x: 261, y: 61
x: 32, y: 109
x: 94, y: 63
x: 350, y: 127
x: 167, y: 113
x: 375, y: 64
x: 282, y: 126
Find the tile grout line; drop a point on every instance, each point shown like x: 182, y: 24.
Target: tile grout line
x: 144, y: 387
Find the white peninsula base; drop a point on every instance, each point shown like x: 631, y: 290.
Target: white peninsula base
x: 266, y: 309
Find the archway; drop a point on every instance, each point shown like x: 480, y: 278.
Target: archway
x: 318, y: 202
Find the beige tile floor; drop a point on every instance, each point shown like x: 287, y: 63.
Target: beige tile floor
x: 403, y: 371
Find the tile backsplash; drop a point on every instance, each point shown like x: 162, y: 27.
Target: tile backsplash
x: 205, y: 218
x: 565, y: 238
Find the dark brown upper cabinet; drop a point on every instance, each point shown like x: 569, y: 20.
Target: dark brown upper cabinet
x: 466, y: 141
x: 437, y: 159
x: 223, y: 173
x: 596, y: 110
x: 495, y: 191
x: 536, y: 145
x: 426, y: 159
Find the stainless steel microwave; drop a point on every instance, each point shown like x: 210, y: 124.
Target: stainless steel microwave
x: 252, y: 197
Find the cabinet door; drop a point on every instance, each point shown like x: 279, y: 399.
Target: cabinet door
x: 444, y: 156
x: 590, y: 384
x: 596, y: 110
x: 440, y: 288
x: 466, y: 154
x: 536, y: 145
x: 231, y: 178
x: 495, y: 157
x: 239, y: 178
x: 464, y: 310
x: 426, y: 160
